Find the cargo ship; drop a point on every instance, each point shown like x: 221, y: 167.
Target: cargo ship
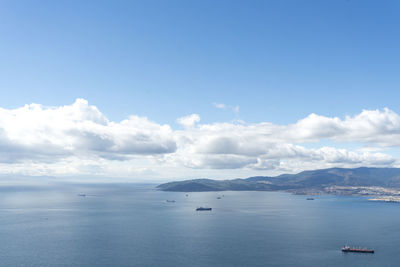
x: 201, y: 209
x: 358, y: 250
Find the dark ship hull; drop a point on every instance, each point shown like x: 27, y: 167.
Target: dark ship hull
x: 202, y: 209
x: 357, y: 250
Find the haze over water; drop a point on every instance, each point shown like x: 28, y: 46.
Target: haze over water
x: 133, y: 225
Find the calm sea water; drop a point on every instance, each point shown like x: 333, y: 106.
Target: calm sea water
x: 133, y: 225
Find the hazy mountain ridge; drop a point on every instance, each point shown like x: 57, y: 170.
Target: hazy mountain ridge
x: 315, y: 180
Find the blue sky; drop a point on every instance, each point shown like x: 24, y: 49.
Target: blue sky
x: 278, y: 61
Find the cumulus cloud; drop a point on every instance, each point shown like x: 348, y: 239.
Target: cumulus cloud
x: 270, y: 146
x: 189, y: 121
x: 79, y: 139
x: 35, y: 132
x: 247, y: 150
x: 381, y: 127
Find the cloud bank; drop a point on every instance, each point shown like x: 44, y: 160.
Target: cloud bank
x: 79, y: 139
x: 37, y: 133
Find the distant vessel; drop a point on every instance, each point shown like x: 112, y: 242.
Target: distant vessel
x: 82, y: 195
x: 218, y: 197
x: 202, y: 208
x: 359, y: 250
x: 170, y: 200
x: 310, y: 198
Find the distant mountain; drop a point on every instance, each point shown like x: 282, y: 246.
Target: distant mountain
x: 306, y: 180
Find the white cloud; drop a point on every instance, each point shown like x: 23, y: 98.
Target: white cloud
x: 189, y: 121
x: 78, y: 139
x: 219, y: 105
x: 264, y: 145
x: 235, y: 109
x: 380, y: 127
x: 38, y: 133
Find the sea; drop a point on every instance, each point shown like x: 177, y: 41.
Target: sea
x: 134, y: 225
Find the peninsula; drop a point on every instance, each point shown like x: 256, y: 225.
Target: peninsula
x: 339, y: 181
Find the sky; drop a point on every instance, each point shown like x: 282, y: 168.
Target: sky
x: 165, y: 90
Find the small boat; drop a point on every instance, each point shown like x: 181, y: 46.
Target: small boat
x: 310, y: 198
x: 357, y: 250
x: 202, y: 208
x: 218, y: 197
x: 81, y: 195
x: 172, y: 201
